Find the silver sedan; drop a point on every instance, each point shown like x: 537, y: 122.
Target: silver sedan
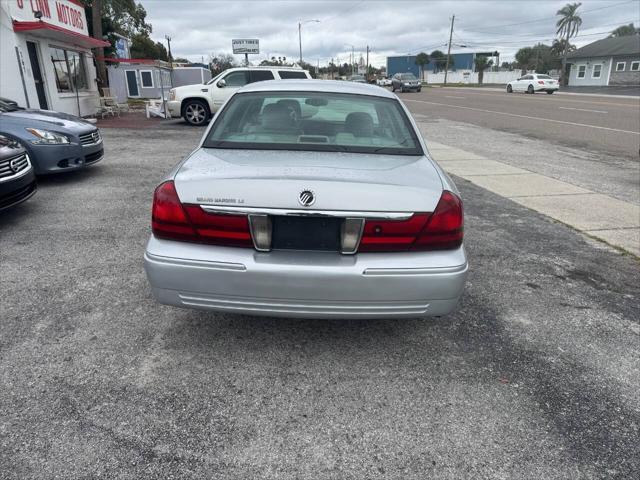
x: 309, y: 199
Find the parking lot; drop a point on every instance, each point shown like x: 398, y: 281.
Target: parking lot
x: 536, y: 376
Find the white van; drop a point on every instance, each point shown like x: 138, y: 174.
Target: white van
x: 196, y: 103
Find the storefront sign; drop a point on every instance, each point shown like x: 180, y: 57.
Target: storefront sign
x: 67, y: 14
x: 245, y: 45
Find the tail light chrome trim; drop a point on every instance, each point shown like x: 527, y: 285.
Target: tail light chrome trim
x: 312, y: 213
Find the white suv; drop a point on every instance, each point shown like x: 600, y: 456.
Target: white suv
x: 196, y: 103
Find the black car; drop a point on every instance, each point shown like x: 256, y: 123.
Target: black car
x: 17, y: 178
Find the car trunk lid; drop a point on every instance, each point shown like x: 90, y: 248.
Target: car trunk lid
x: 338, y: 181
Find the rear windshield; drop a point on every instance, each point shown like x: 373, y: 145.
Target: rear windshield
x: 544, y: 77
x: 285, y: 74
x: 334, y: 122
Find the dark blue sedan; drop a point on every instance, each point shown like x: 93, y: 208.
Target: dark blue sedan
x: 56, y: 142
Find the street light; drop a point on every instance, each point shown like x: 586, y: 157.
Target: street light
x: 300, y: 34
x: 353, y: 56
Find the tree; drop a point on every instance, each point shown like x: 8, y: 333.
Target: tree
x: 439, y: 60
x: 220, y: 62
x: 525, y: 57
x: 143, y: 47
x: 567, y: 26
x: 422, y: 59
x: 559, y: 45
x: 124, y: 17
x: 482, y: 63
x: 625, y: 31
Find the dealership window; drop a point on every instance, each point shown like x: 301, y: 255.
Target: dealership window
x: 620, y: 66
x: 635, y: 66
x: 146, y: 76
x: 597, y: 71
x: 582, y: 70
x: 70, y: 70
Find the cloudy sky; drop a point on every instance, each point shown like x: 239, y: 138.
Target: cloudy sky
x: 201, y: 27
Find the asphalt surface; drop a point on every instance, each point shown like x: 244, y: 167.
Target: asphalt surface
x: 536, y: 376
x: 593, y: 124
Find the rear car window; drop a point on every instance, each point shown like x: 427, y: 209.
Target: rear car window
x: 317, y: 121
x: 261, y: 75
x: 286, y: 74
x: 544, y: 77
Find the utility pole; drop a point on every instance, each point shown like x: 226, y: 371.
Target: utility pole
x: 168, y: 38
x: 96, y: 21
x: 300, y: 40
x: 353, y: 58
x: 366, y: 71
x: 446, y: 71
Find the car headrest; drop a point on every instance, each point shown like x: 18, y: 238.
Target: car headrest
x: 360, y: 124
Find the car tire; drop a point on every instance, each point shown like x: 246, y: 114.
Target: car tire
x: 393, y: 88
x: 419, y: 90
x: 549, y: 92
x: 196, y: 112
x: 530, y: 89
x: 509, y: 89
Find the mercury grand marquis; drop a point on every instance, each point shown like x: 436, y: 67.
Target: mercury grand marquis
x: 313, y: 199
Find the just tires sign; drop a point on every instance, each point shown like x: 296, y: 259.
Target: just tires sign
x: 245, y: 45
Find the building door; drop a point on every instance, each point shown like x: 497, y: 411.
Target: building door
x: 132, y: 83
x: 37, y: 74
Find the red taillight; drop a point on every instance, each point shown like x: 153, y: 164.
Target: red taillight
x: 541, y: 82
x: 168, y: 219
x: 440, y: 230
x: 230, y: 230
x: 190, y: 223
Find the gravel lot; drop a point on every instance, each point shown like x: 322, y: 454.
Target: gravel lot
x: 536, y: 376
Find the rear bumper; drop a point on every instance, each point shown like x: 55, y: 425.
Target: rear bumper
x: 305, y: 284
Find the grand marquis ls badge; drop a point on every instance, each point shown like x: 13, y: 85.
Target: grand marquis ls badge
x: 306, y: 198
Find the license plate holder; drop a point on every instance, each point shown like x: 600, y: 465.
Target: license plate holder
x: 293, y: 232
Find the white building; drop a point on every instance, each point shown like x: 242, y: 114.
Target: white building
x: 45, y: 56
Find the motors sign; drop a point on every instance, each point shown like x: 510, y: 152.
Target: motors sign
x: 66, y: 14
x: 245, y: 45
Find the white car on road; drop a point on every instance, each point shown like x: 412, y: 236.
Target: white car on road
x: 532, y: 83
x: 197, y: 103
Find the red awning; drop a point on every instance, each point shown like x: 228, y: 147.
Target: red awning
x: 127, y: 60
x: 43, y: 29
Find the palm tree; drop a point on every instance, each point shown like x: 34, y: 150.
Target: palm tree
x: 559, y: 46
x: 482, y: 63
x: 421, y: 60
x: 625, y: 30
x: 568, y: 26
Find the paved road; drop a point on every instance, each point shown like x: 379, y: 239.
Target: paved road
x: 600, y: 124
x: 535, y: 377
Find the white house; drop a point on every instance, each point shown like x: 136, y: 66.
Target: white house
x: 45, y: 56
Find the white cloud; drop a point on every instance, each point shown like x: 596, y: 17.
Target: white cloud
x: 199, y: 28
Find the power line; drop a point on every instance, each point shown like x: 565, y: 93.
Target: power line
x: 485, y: 29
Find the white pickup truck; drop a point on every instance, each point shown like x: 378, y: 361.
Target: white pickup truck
x: 196, y: 103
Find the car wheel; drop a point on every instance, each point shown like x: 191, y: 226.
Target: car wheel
x: 393, y: 87
x: 419, y: 90
x: 196, y: 112
x: 549, y: 92
x: 509, y: 89
x: 530, y: 89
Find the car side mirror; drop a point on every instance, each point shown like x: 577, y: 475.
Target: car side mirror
x: 221, y: 83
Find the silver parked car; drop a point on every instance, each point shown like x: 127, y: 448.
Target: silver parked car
x: 309, y: 198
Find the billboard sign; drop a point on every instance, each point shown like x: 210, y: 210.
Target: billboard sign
x: 245, y: 45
